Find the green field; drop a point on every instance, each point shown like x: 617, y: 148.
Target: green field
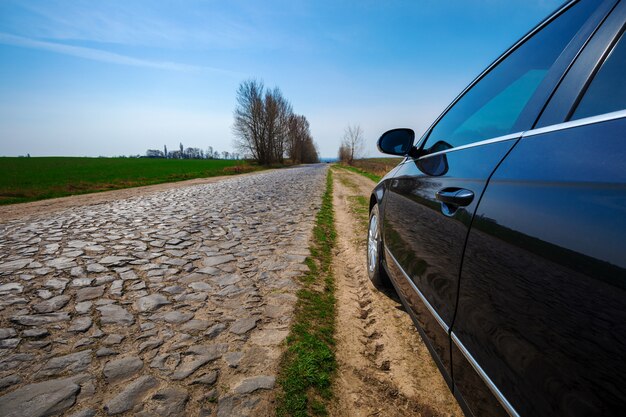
x: 29, y: 179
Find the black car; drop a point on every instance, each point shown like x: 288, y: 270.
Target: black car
x: 503, y: 230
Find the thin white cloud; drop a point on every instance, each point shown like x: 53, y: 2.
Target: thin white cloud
x: 105, y: 56
x: 199, y: 25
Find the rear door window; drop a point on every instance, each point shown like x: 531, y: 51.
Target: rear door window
x: 607, y: 91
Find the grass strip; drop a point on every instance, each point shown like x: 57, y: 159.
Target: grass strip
x: 366, y: 174
x: 359, y: 207
x: 308, y: 365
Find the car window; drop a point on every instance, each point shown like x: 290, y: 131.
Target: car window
x: 607, y: 91
x: 492, y: 106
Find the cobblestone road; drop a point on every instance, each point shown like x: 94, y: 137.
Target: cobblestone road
x: 174, y: 303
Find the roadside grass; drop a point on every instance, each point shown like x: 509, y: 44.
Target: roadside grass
x: 345, y: 181
x: 377, y: 166
x: 372, y: 168
x: 308, y: 365
x: 30, y: 179
x: 359, y: 206
x: 366, y: 174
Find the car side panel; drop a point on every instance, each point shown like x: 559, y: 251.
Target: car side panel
x: 543, y: 281
x: 424, y: 246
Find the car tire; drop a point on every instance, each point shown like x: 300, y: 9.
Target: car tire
x: 375, y: 270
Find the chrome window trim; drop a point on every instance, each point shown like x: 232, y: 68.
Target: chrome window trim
x: 504, y: 138
x: 576, y: 123
x: 483, y: 375
x: 419, y: 293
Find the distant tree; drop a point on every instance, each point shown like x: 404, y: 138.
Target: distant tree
x: 277, y: 113
x: 165, y: 151
x: 261, y: 122
x: 192, y: 153
x: 209, y: 152
x: 154, y: 153
x: 225, y: 155
x: 216, y: 155
x: 344, y: 153
x: 249, y: 126
x: 300, y: 145
x: 175, y: 155
x: 353, y: 143
x: 310, y: 153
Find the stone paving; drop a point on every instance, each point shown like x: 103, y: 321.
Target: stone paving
x: 174, y: 303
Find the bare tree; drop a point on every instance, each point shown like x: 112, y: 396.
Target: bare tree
x: 277, y: 113
x: 310, y: 153
x: 353, y: 142
x: 344, y: 153
x: 249, y: 128
x: 261, y: 124
x: 298, y: 129
x: 300, y: 145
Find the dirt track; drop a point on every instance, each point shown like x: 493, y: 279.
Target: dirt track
x: 384, y: 367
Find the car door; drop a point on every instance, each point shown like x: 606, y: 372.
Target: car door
x: 431, y: 199
x: 541, y: 314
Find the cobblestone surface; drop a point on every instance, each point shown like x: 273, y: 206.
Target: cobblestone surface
x: 174, y: 303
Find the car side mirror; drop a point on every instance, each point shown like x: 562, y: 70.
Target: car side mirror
x: 396, y: 141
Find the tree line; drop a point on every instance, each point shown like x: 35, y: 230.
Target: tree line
x: 266, y: 128
x: 190, y: 153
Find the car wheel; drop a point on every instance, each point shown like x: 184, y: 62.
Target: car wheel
x: 375, y: 269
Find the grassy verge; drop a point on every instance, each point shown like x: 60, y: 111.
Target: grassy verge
x: 357, y: 204
x: 309, y: 362
x: 366, y: 174
x: 360, y: 207
x: 30, y: 179
x: 344, y: 179
x: 372, y: 168
x: 377, y: 166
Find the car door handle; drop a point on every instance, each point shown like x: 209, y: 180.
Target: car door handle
x: 459, y: 197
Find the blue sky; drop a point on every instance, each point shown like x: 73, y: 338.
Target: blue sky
x: 89, y: 78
